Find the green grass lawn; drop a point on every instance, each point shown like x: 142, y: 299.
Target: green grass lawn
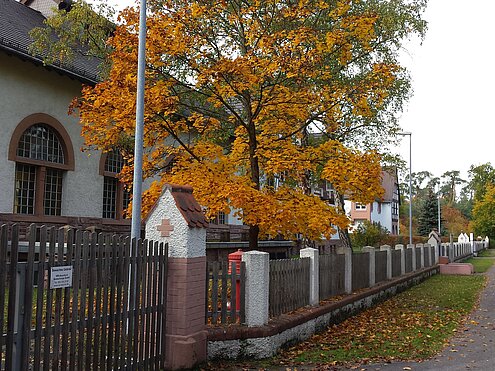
x: 480, y: 265
x: 413, y: 325
x: 487, y: 253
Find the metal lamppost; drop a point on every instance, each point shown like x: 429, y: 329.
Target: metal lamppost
x: 408, y: 133
x: 138, y: 139
x: 439, y: 213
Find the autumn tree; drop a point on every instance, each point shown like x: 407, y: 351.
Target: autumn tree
x: 238, y: 92
x: 451, y: 179
x: 369, y: 234
x: 480, y: 176
x: 453, y: 220
x: 483, y: 220
x: 84, y: 30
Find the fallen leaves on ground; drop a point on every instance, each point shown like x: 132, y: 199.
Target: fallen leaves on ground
x: 413, y: 325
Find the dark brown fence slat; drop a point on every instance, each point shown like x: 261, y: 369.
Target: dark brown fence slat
x: 136, y: 284
x: 67, y: 291
x: 380, y: 266
x: 118, y: 300
x: 68, y: 330
x: 82, y: 302
x: 91, y: 296
x: 98, y: 329
x: 233, y: 296
x: 360, y: 270
x: 418, y: 257
x: 105, y: 247
x: 125, y: 308
x: 224, y: 291
x: 39, y: 299
x: 149, y: 286
x: 214, y: 304
x: 28, y: 299
x: 409, y: 257
x: 75, y: 300
x: 242, y: 309
x: 58, y: 302
x: 396, y: 263
x: 132, y: 296
x: 3, y: 281
x: 111, y: 301
x: 142, y: 302
x: 14, y: 245
x: 289, y: 285
x: 49, y: 300
x: 154, y: 322
x: 162, y: 296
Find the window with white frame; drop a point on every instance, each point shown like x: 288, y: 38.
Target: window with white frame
x: 359, y: 206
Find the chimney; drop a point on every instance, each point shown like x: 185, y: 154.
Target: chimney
x: 65, y: 5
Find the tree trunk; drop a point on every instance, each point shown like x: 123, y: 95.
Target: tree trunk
x: 343, y: 233
x: 254, y: 232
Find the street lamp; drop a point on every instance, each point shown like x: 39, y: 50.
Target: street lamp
x: 137, y: 183
x: 439, y: 212
x: 408, y: 133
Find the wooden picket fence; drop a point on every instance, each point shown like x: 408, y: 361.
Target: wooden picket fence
x: 289, y: 285
x: 79, y: 301
x: 225, y: 289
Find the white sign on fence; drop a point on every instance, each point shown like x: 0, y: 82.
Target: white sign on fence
x: 61, y: 277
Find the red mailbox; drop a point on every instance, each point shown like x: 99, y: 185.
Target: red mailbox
x: 236, y: 257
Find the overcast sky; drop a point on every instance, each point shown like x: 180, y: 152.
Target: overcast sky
x: 452, y: 111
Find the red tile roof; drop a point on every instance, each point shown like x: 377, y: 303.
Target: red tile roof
x: 188, y: 206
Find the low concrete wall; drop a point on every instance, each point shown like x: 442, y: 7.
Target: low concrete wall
x: 236, y: 342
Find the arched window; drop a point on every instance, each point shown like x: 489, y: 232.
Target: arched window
x: 116, y: 197
x: 42, y: 152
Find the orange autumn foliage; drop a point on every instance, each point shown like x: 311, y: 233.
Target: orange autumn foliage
x: 239, y: 92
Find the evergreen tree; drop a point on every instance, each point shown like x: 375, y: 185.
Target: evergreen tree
x: 428, y: 215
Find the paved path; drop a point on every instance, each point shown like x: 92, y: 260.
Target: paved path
x: 471, y: 349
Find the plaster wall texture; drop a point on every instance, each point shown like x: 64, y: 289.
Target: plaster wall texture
x: 314, y: 273
x: 385, y: 215
x: 27, y: 89
x: 388, y: 249
x: 257, y: 288
x: 413, y: 254
x: 268, y: 346
x: 184, y: 241
x: 402, y: 259
x: 372, y: 272
x: 233, y: 219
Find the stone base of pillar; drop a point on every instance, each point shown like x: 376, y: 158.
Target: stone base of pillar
x: 185, y: 352
x: 186, y: 335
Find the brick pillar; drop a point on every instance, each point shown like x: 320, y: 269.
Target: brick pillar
x: 178, y: 220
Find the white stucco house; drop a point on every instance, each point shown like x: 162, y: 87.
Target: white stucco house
x: 384, y: 210
x: 44, y: 175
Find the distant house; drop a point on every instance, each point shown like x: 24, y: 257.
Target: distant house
x: 44, y: 176
x: 384, y: 210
